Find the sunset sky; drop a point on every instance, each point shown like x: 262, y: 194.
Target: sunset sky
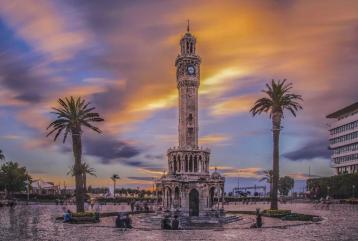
x: 120, y: 56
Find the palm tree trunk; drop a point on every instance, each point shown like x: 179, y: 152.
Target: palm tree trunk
x: 77, y: 152
x: 84, y: 182
x: 276, y: 124
x: 114, y: 189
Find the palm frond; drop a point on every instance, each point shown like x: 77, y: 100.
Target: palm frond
x: 279, y: 98
x: 71, y: 114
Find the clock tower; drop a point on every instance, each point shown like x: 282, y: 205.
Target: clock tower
x: 188, y: 80
x: 188, y: 187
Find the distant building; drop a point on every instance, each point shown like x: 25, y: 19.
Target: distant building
x: 41, y: 187
x: 343, y: 139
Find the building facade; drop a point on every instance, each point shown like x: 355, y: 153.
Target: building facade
x: 45, y: 188
x: 188, y: 186
x: 343, y: 139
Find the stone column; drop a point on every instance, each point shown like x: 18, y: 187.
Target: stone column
x: 223, y: 198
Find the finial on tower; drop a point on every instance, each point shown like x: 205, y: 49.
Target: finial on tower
x: 188, y: 27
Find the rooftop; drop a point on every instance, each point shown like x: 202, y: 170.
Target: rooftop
x: 343, y: 111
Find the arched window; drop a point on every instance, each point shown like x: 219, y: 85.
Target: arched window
x: 190, y: 118
x: 195, y: 164
x: 168, y: 197
x: 191, y: 48
x: 179, y: 163
x: 177, y: 201
x: 191, y: 163
x: 186, y: 164
x: 175, y: 163
x: 211, y: 197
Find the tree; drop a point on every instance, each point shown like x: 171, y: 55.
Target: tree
x: 85, y: 169
x: 267, y: 178
x: 71, y: 116
x: 2, y: 156
x: 285, y: 185
x: 279, y: 99
x: 13, y: 177
x: 114, y: 178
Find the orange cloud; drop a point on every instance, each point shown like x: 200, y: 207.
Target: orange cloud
x: 250, y: 172
x: 38, y: 22
x: 233, y: 106
x: 214, y: 139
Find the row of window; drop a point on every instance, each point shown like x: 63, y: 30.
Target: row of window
x: 343, y: 149
x: 346, y: 127
x: 347, y: 158
x: 347, y: 137
x: 347, y: 169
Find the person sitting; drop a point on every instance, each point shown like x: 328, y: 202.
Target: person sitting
x: 67, y: 216
x: 175, y: 223
x: 128, y: 222
x: 165, y: 223
x: 120, y: 221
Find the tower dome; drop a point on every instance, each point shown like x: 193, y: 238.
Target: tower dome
x: 216, y: 174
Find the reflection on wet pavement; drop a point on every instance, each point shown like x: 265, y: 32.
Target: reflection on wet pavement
x: 37, y: 222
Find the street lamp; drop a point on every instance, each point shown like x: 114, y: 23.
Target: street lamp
x: 354, y: 188
x: 27, y: 182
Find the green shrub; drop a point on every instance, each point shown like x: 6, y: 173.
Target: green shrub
x: 276, y: 213
x: 299, y: 217
x: 84, y: 214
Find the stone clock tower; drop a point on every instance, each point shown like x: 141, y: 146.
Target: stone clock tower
x: 188, y: 187
x: 188, y: 81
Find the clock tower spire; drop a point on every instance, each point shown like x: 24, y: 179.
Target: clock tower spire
x: 188, y: 81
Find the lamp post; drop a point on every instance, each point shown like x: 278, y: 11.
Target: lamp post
x: 27, y: 182
x: 354, y: 188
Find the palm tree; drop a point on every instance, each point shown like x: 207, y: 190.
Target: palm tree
x: 2, y: 156
x: 114, y: 178
x: 71, y: 116
x: 85, y: 169
x: 267, y: 178
x: 279, y: 99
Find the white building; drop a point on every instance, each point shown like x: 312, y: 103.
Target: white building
x: 343, y: 139
x: 41, y: 187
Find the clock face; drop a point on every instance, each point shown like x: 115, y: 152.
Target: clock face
x: 191, y: 70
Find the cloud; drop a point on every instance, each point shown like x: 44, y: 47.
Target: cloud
x: 250, y: 172
x: 110, y: 150
x: 214, y: 139
x: 47, y: 31
x: 302, y: 176
x: 311, y: 150
x: 24, y: 82
x: 154, y: 157
x: 123, y: 61
x: 233, y: 106
x: 148, y: 179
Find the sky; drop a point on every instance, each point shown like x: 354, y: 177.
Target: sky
x: 120, y: 55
